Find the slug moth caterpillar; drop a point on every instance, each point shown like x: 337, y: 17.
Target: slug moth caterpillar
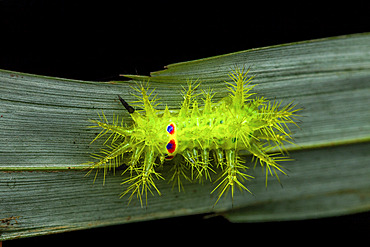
x: 208, y: 138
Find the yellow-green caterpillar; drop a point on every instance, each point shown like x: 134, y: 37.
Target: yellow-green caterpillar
x: 208, y: 138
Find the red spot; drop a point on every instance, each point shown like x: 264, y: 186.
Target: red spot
x: 171, y: 146
x: 169, y: 157
x: 171, y: 129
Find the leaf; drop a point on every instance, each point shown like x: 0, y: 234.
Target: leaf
x: 43, y: 128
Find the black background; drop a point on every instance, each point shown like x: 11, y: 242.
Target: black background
x: 98, y: 40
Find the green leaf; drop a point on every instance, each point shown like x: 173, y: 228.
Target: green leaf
x: 43, y: 129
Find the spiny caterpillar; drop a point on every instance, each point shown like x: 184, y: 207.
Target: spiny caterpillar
x: 207, y: 139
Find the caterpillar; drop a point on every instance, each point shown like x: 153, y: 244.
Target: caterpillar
x: 207, y: 138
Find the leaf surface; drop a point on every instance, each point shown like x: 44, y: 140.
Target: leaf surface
x: 44, y: 141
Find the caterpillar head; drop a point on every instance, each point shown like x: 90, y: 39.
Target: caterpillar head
x: 169, y: 149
